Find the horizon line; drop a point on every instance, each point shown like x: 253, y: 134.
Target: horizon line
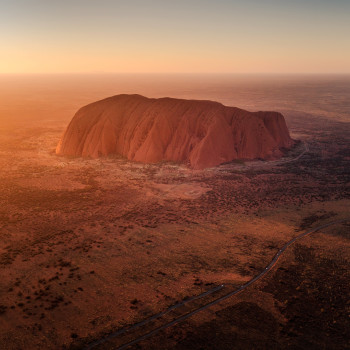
x: 175, y: 73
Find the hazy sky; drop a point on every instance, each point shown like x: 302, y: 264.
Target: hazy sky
x: 248, y: 36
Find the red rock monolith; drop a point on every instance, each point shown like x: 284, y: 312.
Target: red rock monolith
x: 200, y: 133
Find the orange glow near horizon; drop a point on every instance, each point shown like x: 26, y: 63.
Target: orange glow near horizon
x: 189, y: 37
x: 274, y: 62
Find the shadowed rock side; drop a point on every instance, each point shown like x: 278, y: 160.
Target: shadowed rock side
x: 202, y: 133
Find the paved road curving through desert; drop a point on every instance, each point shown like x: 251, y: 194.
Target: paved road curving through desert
x: 154, y: 317
x: 206, y: 306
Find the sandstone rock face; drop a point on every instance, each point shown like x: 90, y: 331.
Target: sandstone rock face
x: 200, y: 133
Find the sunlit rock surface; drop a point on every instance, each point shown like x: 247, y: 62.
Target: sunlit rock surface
x: 200, y: 133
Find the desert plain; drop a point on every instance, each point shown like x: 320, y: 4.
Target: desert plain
x: 89, y: 246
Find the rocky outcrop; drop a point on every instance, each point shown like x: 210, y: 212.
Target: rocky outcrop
x: 199, y: 133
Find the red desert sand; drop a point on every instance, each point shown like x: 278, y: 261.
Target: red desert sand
x: 200, y: 133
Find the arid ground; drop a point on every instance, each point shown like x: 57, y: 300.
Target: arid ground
x: 90, y: 246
